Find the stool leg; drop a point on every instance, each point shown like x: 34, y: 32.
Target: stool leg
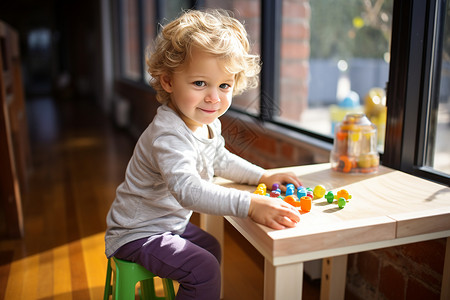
x: 148, y: 289
x: 124, y: 288
x: 169, y: 291
x: 125, y: 275
x: 108, y: 287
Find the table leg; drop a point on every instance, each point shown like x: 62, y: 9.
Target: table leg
x: 214, y: 226
x: 445, y: 289
x: 334, y: 273
x: 283, y: 282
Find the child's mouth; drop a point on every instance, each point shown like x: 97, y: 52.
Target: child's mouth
x: 208, y: 111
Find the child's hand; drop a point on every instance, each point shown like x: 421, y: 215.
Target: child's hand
x: 281, y: 178
x: 273, y: 212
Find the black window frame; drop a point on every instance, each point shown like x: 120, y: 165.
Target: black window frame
x: 412, y: 84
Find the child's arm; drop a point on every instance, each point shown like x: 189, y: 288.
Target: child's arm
x: 272, y: 212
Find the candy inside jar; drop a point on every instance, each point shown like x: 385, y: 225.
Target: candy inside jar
x: 355, y: 146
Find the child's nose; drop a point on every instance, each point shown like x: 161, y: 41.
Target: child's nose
x: 213, y: 96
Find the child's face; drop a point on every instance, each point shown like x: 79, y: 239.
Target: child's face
x: 201, y: 91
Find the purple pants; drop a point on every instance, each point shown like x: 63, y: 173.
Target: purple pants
x: 192, y: 259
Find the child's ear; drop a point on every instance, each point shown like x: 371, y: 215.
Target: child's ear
x: 166, y: 82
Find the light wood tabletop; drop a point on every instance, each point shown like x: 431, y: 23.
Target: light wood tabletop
x: 387, y: 208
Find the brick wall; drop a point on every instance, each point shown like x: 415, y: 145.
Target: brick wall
x: 294, y: 64
x: 406, y: 272
x: 410, y: 272
x: 265, y: 146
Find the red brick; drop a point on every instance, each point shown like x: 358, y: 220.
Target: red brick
x: 287, y: 151
x: 253, y: 27
x: 368, y: 266
x: 392, y: 283
x: 416, y: 290
x: 295, y: 50
x: 298, y: 30
x: 409, y: 258
x: 430, y: 253
x: 292, y: 115
x: 296, y: 9
x: 266, y: 145
x: 248, y: 8
x: 352, y: 261
x: 293, y: 98
x: 297, y: 69
x: 391, y: 254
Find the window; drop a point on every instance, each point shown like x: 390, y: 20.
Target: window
x: 138, y: 22
x: 437, y: 142
x: 150, y: 30
x: 333, y: 61
x: 129, y: 39
x: 249, y: 13
x: 387, y: 58
x: 169, y: 10
x: 417, y: 127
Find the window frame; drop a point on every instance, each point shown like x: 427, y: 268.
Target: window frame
x: 412, y: 82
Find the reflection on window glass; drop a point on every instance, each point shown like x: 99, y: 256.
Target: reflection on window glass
x: 334, y: 61
x: 130, y: 40
x: 169, y: 10
x: 39, y: 56
x: 173, y: 9
x: 150, y: 30
x: 438, y: 135
x: 249, y: 13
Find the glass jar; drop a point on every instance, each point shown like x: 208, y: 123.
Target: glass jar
x: 355, y: 145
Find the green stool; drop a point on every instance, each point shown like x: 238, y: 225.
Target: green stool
x: 125, y: 276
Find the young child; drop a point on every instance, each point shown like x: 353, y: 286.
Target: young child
x: 200, y: 61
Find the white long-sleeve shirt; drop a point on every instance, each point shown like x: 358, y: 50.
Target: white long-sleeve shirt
x: 170, y: 175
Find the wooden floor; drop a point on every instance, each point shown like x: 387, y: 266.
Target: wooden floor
x: 79, y: 158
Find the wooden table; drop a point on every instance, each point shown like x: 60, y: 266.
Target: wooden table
x: 387, y: 209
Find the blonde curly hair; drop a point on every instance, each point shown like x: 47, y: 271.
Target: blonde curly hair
x: 215, y: 32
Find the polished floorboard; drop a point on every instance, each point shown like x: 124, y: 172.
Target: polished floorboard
x: 78, y: 159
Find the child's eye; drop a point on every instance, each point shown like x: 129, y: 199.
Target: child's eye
x: 224, y: 86
x: 199, y: 83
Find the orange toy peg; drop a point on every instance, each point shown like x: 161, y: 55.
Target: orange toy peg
x: 343, y: 194
x: 347, y: 164
x: 292, y: 201
x: 306, y: 203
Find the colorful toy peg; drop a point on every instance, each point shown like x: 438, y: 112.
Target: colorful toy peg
x: 301, y: 192
x: 261, y: 189
x: 292, y: 201
x: 330, y: 197
x: 343, y: 194
x: 319, y: 191
x: 306, y: 203
x: 275, y: 193
x: 275, y: 186
x: 290, y: 188
x: 309, y: 193
x: 346, y: 163
x: 341, y: 202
